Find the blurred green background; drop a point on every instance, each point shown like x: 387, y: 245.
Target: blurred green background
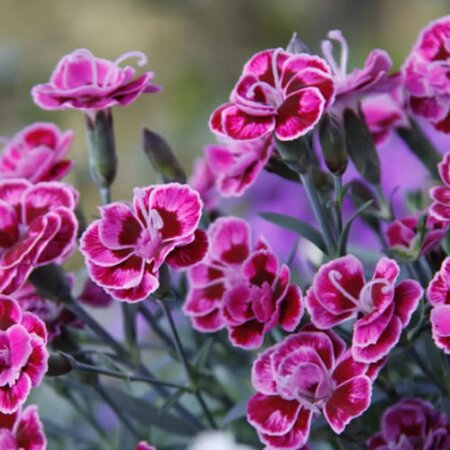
x: 196, y: 48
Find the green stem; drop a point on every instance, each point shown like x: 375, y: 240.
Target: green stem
x: 427, y: 371
x: 187, y: 367
x: 319, y: 211
x: 338, y: 200
x: 120, y: 375
x: 118, y: 411
x: 157, y: 329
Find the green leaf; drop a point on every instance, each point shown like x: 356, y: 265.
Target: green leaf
x: 237, y: 412
x: 346, y: 230
x: 360, y: 147
x: 297, y: 226
x: 201, y: 357
x: 148, y: 413
x: 172, y: 400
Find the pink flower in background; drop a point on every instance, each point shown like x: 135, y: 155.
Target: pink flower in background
x: 83, y: 81
x: 144, y: 446
x: 372, y: 78
x: 54, y: 315
x: 236, y: 165
x: 125, y: 247
x: 37, y: 153
x: 403, y: 234
x: 412, y: 424
x: 37, y: 227
x: 438, y: 295
x: 383, y: 113
x: 307, y: 373
x: 240, y: 288
x: 93, y: 295
x: 426, y: 78
x: 339, y: 292
x: 23, y: 357
x: 278, y: 92
x: 203, y: 180
x: 22, y: 430
x: 440, y: 208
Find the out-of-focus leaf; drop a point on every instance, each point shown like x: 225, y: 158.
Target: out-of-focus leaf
x: 360, y: 147
x: 239, y: 411
x: 147, y: 413
x: 297, y: 226
x: 172, y: 400
x: 346, y: 230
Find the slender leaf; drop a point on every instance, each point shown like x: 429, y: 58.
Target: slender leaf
x: 172, y: 400
x: 346, y: 230
x: 297, y: 226
x: 239, y: 411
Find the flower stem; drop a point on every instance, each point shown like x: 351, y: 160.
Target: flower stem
x: 319, y: 212
x: 187, y: 367
x: 77, y: 365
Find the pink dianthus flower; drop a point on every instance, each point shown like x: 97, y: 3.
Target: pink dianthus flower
x: 242, y: 289
x: 125, y: 248
x: 83, y: 81
x: 339, y: 292
x: 440, y: 208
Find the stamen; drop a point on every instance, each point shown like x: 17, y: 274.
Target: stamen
x: 334, y: 276
x: 155, y: 220
x: 139, y: 194
x: 366, y: 293
x: 141, y: 58
x: 141, y: 61
x: 327, y: 50
x: 276, y: 75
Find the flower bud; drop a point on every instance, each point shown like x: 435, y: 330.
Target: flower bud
x: 51, y: 282
x: 296, y: 154
x: 332, y: 141
x: 101, y: 147
x: 58, y: 365
x: 162, y: 157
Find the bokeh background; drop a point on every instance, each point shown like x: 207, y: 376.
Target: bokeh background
x: 196, y: 49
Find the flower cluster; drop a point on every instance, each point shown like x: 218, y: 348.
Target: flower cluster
x: 125, y: 248
x: 240, y: 288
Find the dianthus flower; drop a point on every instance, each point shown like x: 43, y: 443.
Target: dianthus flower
x: 277, y: 92
x: 23, y: 358
x: 412, y: 424
x: 37, y: 227
x: 144, y: 446
x: 54, y: 315
x: 383, y: 114
x: 94, y: 296
x: 403, y: 235
x: 307, y: 373
x: 371, y: 78
x: 339, y: 292
x: 240, y: 288
x: 203, y: 180
x: 22, y: 430
x: 83, y: 81
x: 125, y: 248
x: 438, y: 295
x: 426, y: 77
x: 440, y: 208
x: 236, y: 164
x: 37, y: 153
